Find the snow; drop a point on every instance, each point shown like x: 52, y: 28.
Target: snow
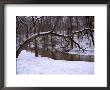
x: 84, y: 43
x: 27, y: 63
x: 45, y: 32
x: 86, y: 52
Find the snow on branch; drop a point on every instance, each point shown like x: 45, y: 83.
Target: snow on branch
x: 21, y: 46
x: 47, y: 33
x: 81, y: 31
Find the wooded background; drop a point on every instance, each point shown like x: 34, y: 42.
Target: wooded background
x: 55, y: 33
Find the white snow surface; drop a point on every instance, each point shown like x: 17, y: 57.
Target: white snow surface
x: 27, y: 63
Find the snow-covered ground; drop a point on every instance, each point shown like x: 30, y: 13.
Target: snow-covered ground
x: 27, y: 63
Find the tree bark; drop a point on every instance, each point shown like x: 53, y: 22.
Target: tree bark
x: 35, y: 41
x: 41, y: 34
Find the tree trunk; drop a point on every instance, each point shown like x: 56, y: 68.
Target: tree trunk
x: 35, y: 41
x: 36, y: 50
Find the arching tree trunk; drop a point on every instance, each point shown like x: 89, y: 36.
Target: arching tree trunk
x: 33, y: 37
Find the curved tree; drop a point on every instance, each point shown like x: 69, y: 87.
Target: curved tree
x: 53, y: 30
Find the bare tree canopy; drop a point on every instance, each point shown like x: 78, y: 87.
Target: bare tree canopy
x: 53, y: 32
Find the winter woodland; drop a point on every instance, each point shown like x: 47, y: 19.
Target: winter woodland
x: 55, y: 44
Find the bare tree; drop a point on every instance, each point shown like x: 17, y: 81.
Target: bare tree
x: 53, y: 31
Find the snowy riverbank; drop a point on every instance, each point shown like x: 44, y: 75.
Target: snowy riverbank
x: 27, y: 63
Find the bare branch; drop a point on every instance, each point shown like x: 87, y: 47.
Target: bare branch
x: 43, y: 34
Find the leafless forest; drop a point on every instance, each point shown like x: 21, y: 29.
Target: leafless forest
x: 53, y: 33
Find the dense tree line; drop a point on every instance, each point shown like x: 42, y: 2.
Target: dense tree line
x: 62, y: 33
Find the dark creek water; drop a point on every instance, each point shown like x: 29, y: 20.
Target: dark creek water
x: 57, y: 55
